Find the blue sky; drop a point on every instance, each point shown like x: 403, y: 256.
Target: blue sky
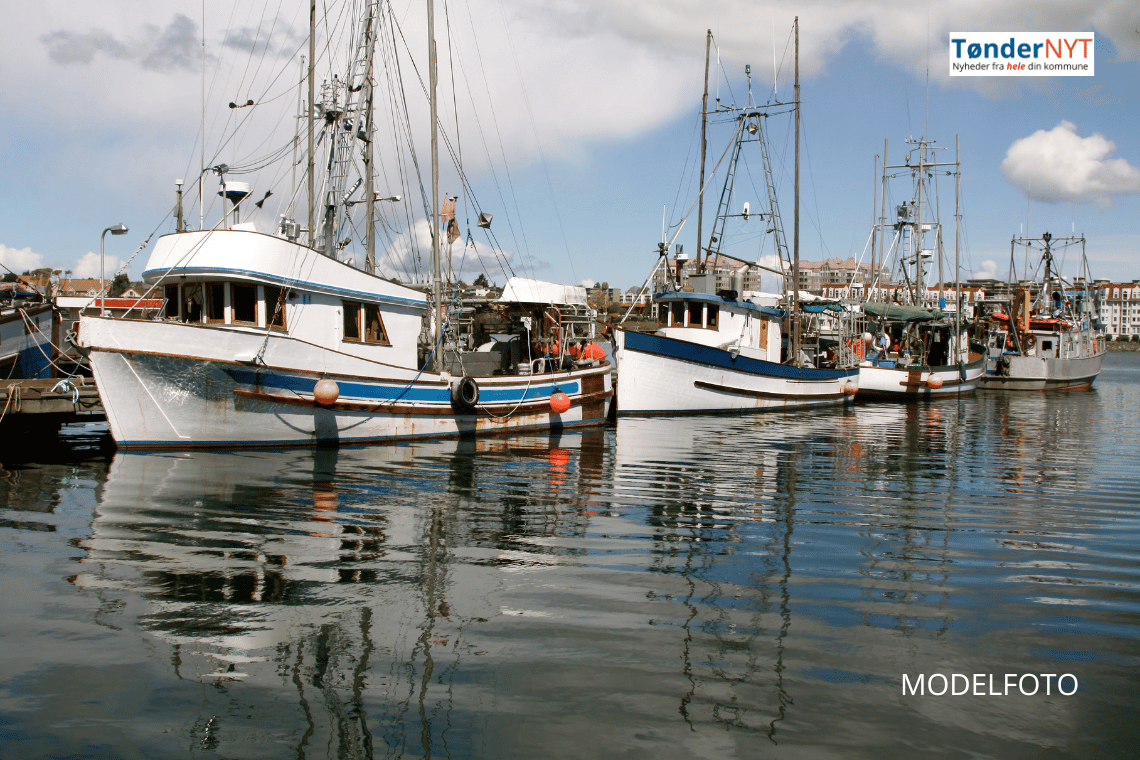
x: 594, y: 108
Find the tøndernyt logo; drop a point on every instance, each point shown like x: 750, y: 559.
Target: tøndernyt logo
x: 1025, y: 54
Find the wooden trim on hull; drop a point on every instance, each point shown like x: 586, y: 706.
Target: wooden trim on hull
x: 764, y: 394
x: 481, y: 410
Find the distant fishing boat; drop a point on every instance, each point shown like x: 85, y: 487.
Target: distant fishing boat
x: 721, y: 350
x: 1049, y: 338
x: 25, y: 332
x: 271, y: 339
x: 912, y: 348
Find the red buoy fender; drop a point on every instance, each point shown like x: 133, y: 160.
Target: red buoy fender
x: 559, y: 402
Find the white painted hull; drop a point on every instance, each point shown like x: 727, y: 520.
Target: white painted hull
x: 1035, y: 373
x: 666, y: 376
x: 905, y: 383
x: 25, y: 341
x: 176, y: 385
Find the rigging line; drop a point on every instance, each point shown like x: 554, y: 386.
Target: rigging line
x: 449, y: 146
x: 538, y: 143
x: 521, y: 246
x: 400, y: 107
x: 405, y: 112
x: 253, y: 46
x: 814, y: 189
x: 504, y: 264
x: 455, y: 107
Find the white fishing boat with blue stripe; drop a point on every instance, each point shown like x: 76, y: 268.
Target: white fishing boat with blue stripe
x: 717, y: 354
x: 266, y: 342
x: 719, y: 349
x: 278, y: 339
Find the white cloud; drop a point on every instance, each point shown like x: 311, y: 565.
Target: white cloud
x: 20, y: 260
x: 88, y: 266
x: 1060, y: 165
x: 987, y: 270
x: 588, y: 283
x: 408, y: 256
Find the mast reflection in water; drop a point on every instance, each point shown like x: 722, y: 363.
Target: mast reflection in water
x: 712, y: 587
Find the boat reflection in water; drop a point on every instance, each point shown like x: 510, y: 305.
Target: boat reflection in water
x: 706, y: 587
x: 327, y: 580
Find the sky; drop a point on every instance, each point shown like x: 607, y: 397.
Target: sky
x: 578, y: 125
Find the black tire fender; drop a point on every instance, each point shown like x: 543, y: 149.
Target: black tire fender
x: 465, y: 393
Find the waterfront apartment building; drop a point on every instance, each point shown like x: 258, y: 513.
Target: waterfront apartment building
x: 1118, y: 307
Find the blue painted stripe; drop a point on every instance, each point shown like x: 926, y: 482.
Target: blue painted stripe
x: 438, y: 394
x: 714, y: 357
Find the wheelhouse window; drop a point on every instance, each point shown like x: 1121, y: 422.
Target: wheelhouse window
x: 192, y: 302
x: 243, y: 303
x: 696, y: 309
x: 171, y: 309
x: 363, y: 322
x: 678, y: 309
x: 274, y: 307
x: 711, y: 315
x: 215, y: 302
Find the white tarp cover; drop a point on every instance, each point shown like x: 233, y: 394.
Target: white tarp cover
x: 522, y: 290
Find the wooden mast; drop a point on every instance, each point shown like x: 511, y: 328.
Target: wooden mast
x: 704, y: 125
x: 311, y: 165
x: 795, y: 302
x: 369, y: 172
x: 436, y: 287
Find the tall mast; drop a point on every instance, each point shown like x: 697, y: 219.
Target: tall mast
x: 369, y: 176
x: 796, y: 218
x: 436, y: 286
x: 883, y: 216
x: 916, y: 237
x: 202, y: 146
x: 957, y: 243
x: 704, y: 125
x: 309, y: 118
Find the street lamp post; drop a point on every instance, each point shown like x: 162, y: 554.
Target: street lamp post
x: 118, y: 229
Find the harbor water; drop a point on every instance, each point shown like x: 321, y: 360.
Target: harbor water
x: 949, y: 579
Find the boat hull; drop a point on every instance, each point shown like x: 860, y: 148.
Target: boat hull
x: 1035, y: 373
x: 896, y: 383
x: 200, y: 397
x: 25, y: 342
x: 666, y: 376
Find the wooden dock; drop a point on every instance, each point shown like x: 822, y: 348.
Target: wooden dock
x: 45, y: 405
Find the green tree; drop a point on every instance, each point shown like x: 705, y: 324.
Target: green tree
x: 119, y: 285
x: 481, y: 281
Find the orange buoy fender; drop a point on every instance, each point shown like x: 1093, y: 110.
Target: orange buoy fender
x: 326, y: 391
x: 934, y: 382
x: 559, y: 402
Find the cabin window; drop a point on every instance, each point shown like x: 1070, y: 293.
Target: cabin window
x: 192, y: 302
x: 351, y: 321
x: 364, y: 320
x: 215, y: 302
x: 663, y: 316
x: 274, y: 307
x: 172, y: 308
x: 696, y: 314
x: 678, y: 314
x: 711, y: 314
x: 243, y: 302
x: 374, y: 331
x: 1046, y: 345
